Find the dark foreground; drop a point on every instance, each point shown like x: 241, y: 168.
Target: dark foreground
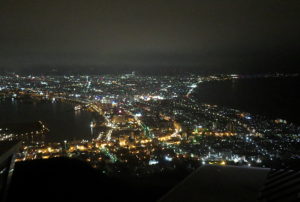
x: 63, y: 179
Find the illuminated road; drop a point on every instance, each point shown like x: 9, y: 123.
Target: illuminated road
x: 109, y: 154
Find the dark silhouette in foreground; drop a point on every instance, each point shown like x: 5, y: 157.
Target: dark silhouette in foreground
x: 64, y: 179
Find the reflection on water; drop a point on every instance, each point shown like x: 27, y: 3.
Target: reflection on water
x: 64, y: 123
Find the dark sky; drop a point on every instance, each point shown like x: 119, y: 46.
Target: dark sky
x: 203, y: 36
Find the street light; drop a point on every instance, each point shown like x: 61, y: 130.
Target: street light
x: 65, y: 141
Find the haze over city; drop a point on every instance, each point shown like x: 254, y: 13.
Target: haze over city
x: 111, y: 36
x: 139, y: 100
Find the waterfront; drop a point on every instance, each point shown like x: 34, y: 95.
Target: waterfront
x: 144, y: 124
x: 64, y: 123
x: 271, y: 97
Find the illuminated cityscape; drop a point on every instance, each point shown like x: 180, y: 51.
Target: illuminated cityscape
x: 149, y: 100
x: 146, y: 124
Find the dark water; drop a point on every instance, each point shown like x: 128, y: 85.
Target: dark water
x: 272, y: 97
x: 64, y: 123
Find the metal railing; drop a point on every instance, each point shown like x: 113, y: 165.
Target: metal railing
x: 8, y: 150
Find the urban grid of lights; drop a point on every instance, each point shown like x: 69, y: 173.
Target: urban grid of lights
x: 150, y: 123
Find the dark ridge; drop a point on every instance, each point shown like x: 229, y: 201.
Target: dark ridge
x: 64, y: 179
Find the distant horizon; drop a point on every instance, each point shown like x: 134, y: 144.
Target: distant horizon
x: 150, y: 36
x: 127, y: 70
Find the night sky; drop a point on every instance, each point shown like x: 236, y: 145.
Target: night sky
x: 147, y: 35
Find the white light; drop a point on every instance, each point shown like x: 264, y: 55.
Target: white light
x: 236, y: 160
x: 167, y: 158
x: 138, y: 114
x: 153, y: 162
